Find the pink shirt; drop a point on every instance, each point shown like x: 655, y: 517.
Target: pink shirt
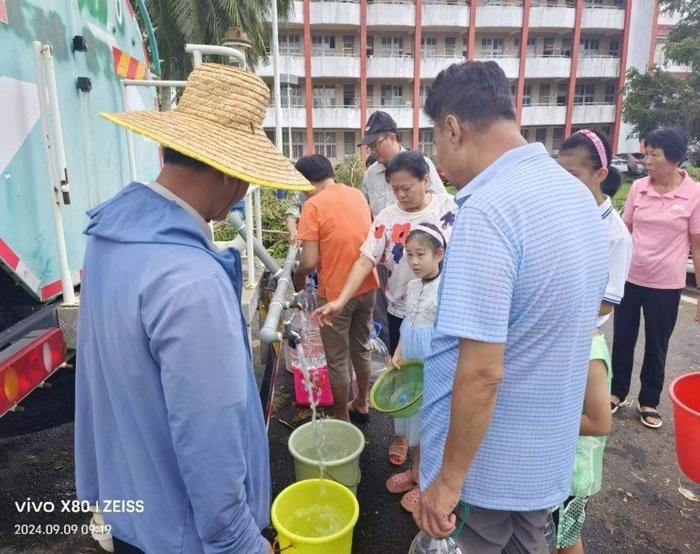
x: 661, y: 229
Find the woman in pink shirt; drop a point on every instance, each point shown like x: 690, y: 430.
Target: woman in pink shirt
x: 662, y: 212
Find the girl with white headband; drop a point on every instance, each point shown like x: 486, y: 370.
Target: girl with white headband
x: 425, y: 250
x: 587, y: 155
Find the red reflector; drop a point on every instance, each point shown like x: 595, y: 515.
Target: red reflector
x: 27, y: 363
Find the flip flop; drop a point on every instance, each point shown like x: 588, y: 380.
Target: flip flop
x: 357, y: 417
x: 397, y: 453
x: 647, y: 417
x: 614, y: 406
x: 410, y: 500
x: 400, y: 482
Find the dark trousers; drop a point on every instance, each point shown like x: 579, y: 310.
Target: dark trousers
x: 394, y: 332
x: 121, y: 547
x: 380, y: 304
x: 660, y: 308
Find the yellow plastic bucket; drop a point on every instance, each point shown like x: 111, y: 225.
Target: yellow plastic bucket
x: 302, y: 529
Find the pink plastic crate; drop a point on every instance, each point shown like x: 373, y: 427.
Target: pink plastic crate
x: 321, y: 387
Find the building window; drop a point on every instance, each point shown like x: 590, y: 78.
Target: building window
x: 290, y: 44
x: 527, y: 95
x: 614, y: 48
x: 610, y: 93
x: 590, y: 46
x: 350, y: 143
x: 348, y: 45
x: 584, y: 93
x: 370, y: 45
x: 291, y: 97
x: 324, y: 143
x: 451, y: 47
x: 392, y: 96
x: 562, y: 93
x: 492, y: 47
x: 558, y: 139
x: 541, y: 135
x: 425, y: 142
x: 566, y: 47
x: 370, y: 96
x: 349, y: 95
x: 428, y: 47
x: 531, y: 46
x: 324, y: 96
x: 545, y: 92
x: 423, y: 94
x: 322, y: 45
x: 392, y: 46
x: 549, y: 44
x: 297, y: 144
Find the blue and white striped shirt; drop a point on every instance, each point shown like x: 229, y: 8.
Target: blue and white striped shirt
x: 526, y: 266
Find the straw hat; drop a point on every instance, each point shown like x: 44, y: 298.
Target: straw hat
x: 218, y: 121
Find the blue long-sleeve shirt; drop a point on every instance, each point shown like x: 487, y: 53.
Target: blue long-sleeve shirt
x: 167, y: 409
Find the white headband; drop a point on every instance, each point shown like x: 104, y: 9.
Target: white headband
x: 437, y: 235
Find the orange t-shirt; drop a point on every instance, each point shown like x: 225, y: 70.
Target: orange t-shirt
x: 338, y: 218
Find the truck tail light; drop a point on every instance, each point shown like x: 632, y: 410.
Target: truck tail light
x: 27, y: 363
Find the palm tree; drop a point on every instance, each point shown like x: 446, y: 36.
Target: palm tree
x: 177, y: 22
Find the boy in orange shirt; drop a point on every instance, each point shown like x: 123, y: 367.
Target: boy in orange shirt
x: 334, y: 223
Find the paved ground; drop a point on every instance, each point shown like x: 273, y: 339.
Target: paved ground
x: 640, y: 509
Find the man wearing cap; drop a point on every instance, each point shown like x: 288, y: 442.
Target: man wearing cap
x: 382, y: 139
x: 168, y: 416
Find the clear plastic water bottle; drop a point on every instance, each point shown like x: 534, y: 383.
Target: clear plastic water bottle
x: 425, y: 544
x: 380, y: 353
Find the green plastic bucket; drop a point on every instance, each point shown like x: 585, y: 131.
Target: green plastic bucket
x: 343, y: 444
x: 399, y: 391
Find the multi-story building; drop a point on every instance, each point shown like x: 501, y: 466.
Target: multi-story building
x: 566, y: 59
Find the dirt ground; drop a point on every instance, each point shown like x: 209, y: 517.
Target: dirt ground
x: 639, y: 510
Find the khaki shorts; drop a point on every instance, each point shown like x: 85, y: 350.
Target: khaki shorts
x: 348, y: 339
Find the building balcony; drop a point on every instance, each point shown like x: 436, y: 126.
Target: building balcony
x: 345, y: 12
x: 585, y: 114
x: 598, y: 66
x: 499, y: 14
x: 335, y: 66
x: 294, y: 65
x: 337, y: 117
x: 545, y: 114
x: 431, y: 66
x: 402, y: 114
x: 391, y: 13
x: 510, y: 64
x: 556, y: 17
x: 396, y: 67
x: 296, y: 115
x: 445, y: 15
x: 547, y: 67
x: 603, y: 18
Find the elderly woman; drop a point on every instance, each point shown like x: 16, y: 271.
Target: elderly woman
x: 408, y: 174
x: 662, y: 212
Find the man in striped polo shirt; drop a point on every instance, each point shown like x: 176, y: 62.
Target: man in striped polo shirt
x: 523, y: 279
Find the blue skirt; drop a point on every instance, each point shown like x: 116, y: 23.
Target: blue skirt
x: 415, y: 345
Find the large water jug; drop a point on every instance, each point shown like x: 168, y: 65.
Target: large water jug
x: 425, y: 544
x: 381, y: 359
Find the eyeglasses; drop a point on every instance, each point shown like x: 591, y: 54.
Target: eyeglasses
x: 374, y: 145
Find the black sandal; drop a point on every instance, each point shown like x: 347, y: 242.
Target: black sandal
x: 646, y: 417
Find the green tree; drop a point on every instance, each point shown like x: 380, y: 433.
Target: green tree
x: 178, y: 22
x: 657, y: 97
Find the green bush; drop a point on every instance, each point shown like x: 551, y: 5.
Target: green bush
x: 351, y: 171
x: 272, y: 210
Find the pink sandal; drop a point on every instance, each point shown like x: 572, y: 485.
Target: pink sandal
x: 400, y: 482
x: 410, y: 500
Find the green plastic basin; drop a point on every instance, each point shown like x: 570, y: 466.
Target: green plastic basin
x: 399, y: 390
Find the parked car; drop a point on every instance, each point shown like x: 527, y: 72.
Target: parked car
x: 620, y: 164
x: 635, y: 163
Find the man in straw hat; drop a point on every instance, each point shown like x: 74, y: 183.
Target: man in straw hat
x: 168, y: 416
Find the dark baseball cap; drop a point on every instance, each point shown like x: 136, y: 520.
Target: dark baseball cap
x: 378, y: 123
